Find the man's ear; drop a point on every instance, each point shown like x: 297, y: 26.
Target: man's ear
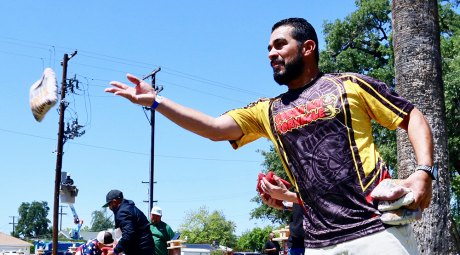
x: 308, y: 48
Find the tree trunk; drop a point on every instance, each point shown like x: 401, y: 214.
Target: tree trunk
x: 416, y: 41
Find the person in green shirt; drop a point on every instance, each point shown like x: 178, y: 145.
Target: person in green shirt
x: 162, y: 232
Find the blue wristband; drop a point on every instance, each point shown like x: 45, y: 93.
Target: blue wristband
x: 154, y: 105
x: 156, y: 102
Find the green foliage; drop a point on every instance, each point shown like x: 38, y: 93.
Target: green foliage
x: 33, y: 221
x: 455, y: 185
x: 361, y: 42
x: 450, y: 50
x: 253, y: 240
x: 100, y: 220
x: 218, y: 252
x: 448, y: 19
x: 203, y: 227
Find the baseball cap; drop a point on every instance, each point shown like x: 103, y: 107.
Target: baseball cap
x: 156, y: 210
x: 104, y: 237
x: 113, y: 194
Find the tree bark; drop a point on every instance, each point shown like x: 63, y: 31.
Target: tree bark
x: 418, y: 75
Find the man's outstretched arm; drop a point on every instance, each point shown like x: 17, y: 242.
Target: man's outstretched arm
x: 217, y: 129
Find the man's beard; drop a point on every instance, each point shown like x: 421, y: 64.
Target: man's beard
x: 292, y: 71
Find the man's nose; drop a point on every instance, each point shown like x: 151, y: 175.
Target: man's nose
x: 273, y: 54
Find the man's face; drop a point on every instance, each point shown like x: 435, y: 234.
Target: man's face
x: 155, y: 218
x: 285, y: 56
x: 113, y: 205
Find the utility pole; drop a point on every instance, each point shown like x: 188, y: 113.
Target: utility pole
x: 149, y: 207
x: 59, y: 151
x: 13, y: 223
x: 60, y: 216
x: 152, y: 143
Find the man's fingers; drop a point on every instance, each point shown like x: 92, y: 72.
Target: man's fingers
x: 111, y: 90
x: 118, y: 84
x: 278, y: 181
x: 420, y: 202
x: 266, y: 186
x: 413, y: 206
x: 123, y: 94
x: 270, y: 202
x: 389, y: 189
x: 134, y: 79
x: 263, y: 187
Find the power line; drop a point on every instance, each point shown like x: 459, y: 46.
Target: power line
x: 87, y: 96
x: 164, y: 82
x: 187, y: 76
x: 134, y: 63
x: 127, y: 151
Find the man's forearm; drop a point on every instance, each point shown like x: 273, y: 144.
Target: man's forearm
x: 419, y: 133
x: 216, y: 129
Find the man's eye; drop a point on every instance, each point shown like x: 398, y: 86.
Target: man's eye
x: 279, y: 46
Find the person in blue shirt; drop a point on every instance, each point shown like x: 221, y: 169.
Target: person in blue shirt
x: 75, y: 233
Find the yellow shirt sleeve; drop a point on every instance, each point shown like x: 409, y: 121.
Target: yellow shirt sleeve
x: 253, y: 121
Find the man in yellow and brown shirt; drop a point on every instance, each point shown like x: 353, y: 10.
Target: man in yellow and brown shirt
x: 321, y: 128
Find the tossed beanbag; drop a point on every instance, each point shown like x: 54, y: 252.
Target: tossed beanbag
x: 43, y: 94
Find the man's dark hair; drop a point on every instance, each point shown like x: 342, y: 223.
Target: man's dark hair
x: 302, y: 31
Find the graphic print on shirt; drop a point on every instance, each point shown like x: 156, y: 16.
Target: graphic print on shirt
x: 299, y: 116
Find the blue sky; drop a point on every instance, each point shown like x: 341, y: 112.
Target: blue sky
x: 213, y: 56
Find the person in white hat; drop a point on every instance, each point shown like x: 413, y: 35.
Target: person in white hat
x: 96, y: 246
x: 162, y: 232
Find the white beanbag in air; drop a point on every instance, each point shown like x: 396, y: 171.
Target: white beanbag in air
x: 43, y: 94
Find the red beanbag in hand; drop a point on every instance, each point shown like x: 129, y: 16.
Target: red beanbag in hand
x: 270, y: 179
x: 258, y: 188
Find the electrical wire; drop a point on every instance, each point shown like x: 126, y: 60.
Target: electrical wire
x: 127, y: 151
x: 128, y: 62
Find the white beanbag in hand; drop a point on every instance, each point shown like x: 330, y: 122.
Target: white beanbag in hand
x: 389, y: 189
x: 388, y: 205
x: 401, y: 216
